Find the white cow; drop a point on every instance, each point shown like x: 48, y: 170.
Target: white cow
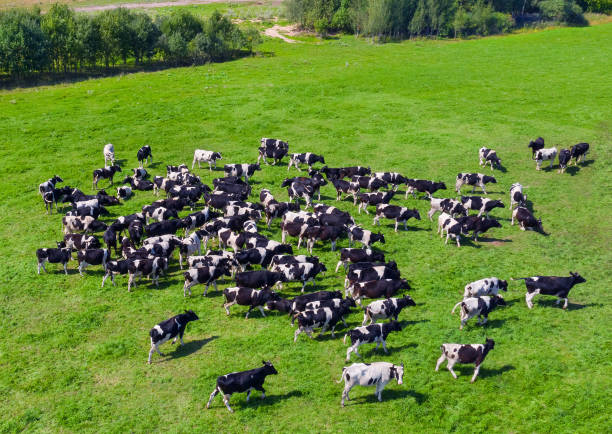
x: 487, y: 286
x: 370, y: 374
x: 545, y: 154
x: 210, y: 157
x: 109, y: 154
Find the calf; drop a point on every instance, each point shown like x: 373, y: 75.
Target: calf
x: 478, y: 306
x: 307, y: 158
x: 241, y: 170
x: 143, y: 154
x: 373, y: 199
x: 118, y: 267
x: 124, y: 192
x: 550, y: 285
x: 458, y: 353
x: 516, y: 195
x: 388, y: 308
x: 393, y: 212
x: 526, y: 220
x: 565, y: 156
x: 449, y: 206
x: 453, y: 228
x: 365, y: 237
x: 245, y: 381
x: 109, y: 154
x: 369, y: 374
x: 535, y: 146
x: 368, y: 335
x: 473, y: 179
x: 487, y: 155
x: 545, y: 154
x: 168, y: 329
x: 210, y: 157
x: 579, y: 151
x: 248, y: 297
x: 84, y: 224
x: 105, y: 173
x: 359, y: 255
x: 203, y: 275
x: 53, y: 256
x: 481, y: 204
x: 145, y: 267
x: 92, y: 257
x: 489, y: 286
x: 324, y: 318
x: 423, y: 186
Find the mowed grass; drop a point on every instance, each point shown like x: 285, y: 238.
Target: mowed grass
x: 73, y: 355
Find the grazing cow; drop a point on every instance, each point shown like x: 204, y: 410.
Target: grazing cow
x: 92, y: 257
x: 550, y: 285
x: 53, y: 256
x: 331, y: 173
x: 369, y: 183
x: 477, y: 224
x: 272, y: 148
x: 228, y: 238
x: 388, y: 308
x: 535, y: 146
x: 478, y: 306
x: 241, y: 170
x: 209, y: 157
x: 180, y: 169
x: 423, y: 186
x: 245, y: 381
x: 140, y: 173
x: 259, y: 278
x: 124, y: 192
x: 545, y: 154
x: 373, y: 199
x: 135, y: 231
x: 347, y: 188
x: 248, y: 297
x: 197, y: 219
x: 322, y: 233
x: 265, y: 197
x: 368, y: 335
x: 304, y: 272
x: 579, y: 151
x: 487, y: 155
x: 458, y: 353
x: 104, y: 173
x: 204, y: 275
x: 145, y: 267
x: 164, y: 227
x: 526, y: 220
x: 473, y: 179
x: 80, y: 241
x: 188, y: 246
x: 109, y: 154
x: 118, y: 267
x: 365, y: 237
x: 143, y: 154
x: 393, y: 178
x: 85, y: 224
x: 358, y: 255
x: 489, y: 286
x: 307, y: 158
x: 55, y: 195
x: 324, y: 318
x: 452, y: 227
x: 393, y: 212
x: 300, y: 190
x: 369, y: 374
x: 516, y: 195
x: 293, y: 229
x: 168, y: 329
x: 298, y: 304
x: 565, y: 156
x: 481, y: 204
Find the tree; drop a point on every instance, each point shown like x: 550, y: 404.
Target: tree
x: 144, y: 36
x: 182, y: 22
x: 59, y: 26
x: 24, y: 47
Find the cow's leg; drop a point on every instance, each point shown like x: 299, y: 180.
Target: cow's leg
x: 379, y: 388
x: 476, y: 371
x: 384, y: 345
x: 348, y: 353
x: 248, y: 394
x: 248, y: 312
x: 226, y: 399
x: 440, y: 361
x: 333, y: 246
x: 212, y: 395
x: 345, y: 393
x: 227, y: 306
x: 65, y: 268
x: 130, y: 281
x: 566, y: 303
x: 297, y: 332
x: 449, y: 366
x: 262, y: 311
x: 153, y: 347
x: 337, y: 266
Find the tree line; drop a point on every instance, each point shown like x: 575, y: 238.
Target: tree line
x: 62, y: 41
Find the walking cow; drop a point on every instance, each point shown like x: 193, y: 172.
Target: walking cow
x: 369, y: 374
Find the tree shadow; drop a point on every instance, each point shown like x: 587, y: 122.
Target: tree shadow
x: 190, y: 347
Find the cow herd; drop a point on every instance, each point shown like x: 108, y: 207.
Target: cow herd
x: 144, y: 242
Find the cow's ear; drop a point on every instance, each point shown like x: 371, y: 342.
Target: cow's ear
x: 264, y: 362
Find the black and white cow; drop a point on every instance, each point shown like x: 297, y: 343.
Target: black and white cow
x: 163, y: 227
x: 488, y: 286
x: 565, y: 156
x: 204, y: 276
x: 388, y: 308
x: 369, y: 183
x: 90, y: 211
x: 331, y: 216
x: 109, y: 154
x: 300, y: 190
x: 323, y: 318
x: 55, y: 195
x: 80, y: 241
x: 241, y: 170
x: 53, y: 256
x: 364, y: 236
x: 140, y: 173
x: 266, y: 197
x: 373, y: 273
x: 535, y: 146
x: 182, y: 168
x: 349, y: 172
x: 143, y: 154
x: 278, y: 209
x: 473, y: 179
x: 210, y: 157
x: 248, y: 297
x: 479, y: 225
x: 373, y: 199
x: 331, y: 173
x: 255, y: 256
x: 188, y: 246
x: 82, y: 224
x: 294, y: 229
x: 145, y: 267
x: 139, y: 183
x: 176, y: 203
x: 92, y: 257
x: 189, y: 192
x: 370, y: 374
x: 124, y: 192
x: 544, y: 155
x: 256, y: 240
x: 478, y: 306
x: 241, y: 190
x: 393, y: 178
x: 516, y: 195
x: 423, y: 186
x: 272, y: 148
x: 105, y: 173
x: 347, y: 188
x: 110, y: 239
x: 526, y: 220
x: 481, y: 204
x: 368, y: 335
x: 229, y: 238
x: 550, y: 285
x: 301, y: 272
x: 234, y: 210
x: 245, y: 381
x: 168, y: 329
x: 452, y: 227
x: 165, y: 184
x: 579, y: 152
x: 197, y: 219
x: 159, y: 213
x: 449, y: 206
x: 322, y: 233
x: 135, y: 231
x: 489, y: 156
x: 306, y: 158
x: 459, y: 353
x: 49, y: 184
x: 291, y: 259
x: 393, y: 212
x: 115, y: 267
x: 354, y: 255
x: 259, y: 278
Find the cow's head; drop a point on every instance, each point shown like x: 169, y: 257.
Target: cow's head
x: 489, y: 344
x: 349, y: 302
x: 577, y: 278
x: 439, y: 186
x: 380, y: 237
x: 404, y: 285
x: 190, y: 315
x: 56, y: 179
x: 503, y: 285
x: 61, y: 244
x: 408, y: 301
x: 497, y: 300
x: 492, y: 223
x: 395, y: 326
x: 496, y: 204
x: 397, y: 372
x: 97, y: 226
x: 459, y: 209
x: 281, y: 305
x: 486, y: 179
x: 268, y: 368
x: 377, y: 256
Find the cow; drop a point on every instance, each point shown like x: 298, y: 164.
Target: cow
x: 294, y: 229
x: 158, y: 213
x: 112, y: 267
x: 245, y: 381
x: 92, y: 257
x: 124, y: 192
x: 135, y: 231
x: 210, y: 157
x: 545, y: 154
x: 85, y: 224
x: 369, y: 183
x: 364, y: 283
x: 393, y: 178
x: 164, y: 227
x: 256, y: 240
x: 49, y: 184
x: 109, y: 154
x: 255, y: 256
x: 347, y: 188
x: 388, y: 308
x: 516, y: 195
x: 459, y: 353
x: 423, y: 186
x: 143, y: 154
x: 449, y: 206
x: 304, y: 272
x: 479, y: 225
x: 473, y: 179
x: 241, y: 170
x: 487, y: 155
x: 55, y: 195
x: 188, y: 246
x: 452, y: 227
x: 535, y: 146
x: 331, y: 173
x: 53, y: 256
x: 290, y: 259
x: 189, y: 192
x: 526, y: 220
x: 369, y: 374
x: 481, y: 204
x: 368, y: 335
x: 104, y: 173
x: 478, y: 306
x: 139, y: 183
x: 565, y: 156
x: 80, y: 241
x: 579, y: 151
x: 322, y: 233
x: 220, y: 200
x: 279, y: 209
x: 365, y: 237
x: 373, y: 199
x: 272, y: 148
x: 203, y: 275
x: 306, y: 158
x: 241, y: 190
x: 140, y: 173
x: 298, y: 304
x: 349, y: 172
x: 488, y: 286
x: 110, y: 238
x: 324, y: 318
x: 393, y: 212
x: 248, y: 297
x: 300, y: 190
x: 259, y: 278
x: 197, y: 219
x: 165, y: 184
x: 182, y: 168
x: 301, y: 217
x: 234, y: 210
x: 550, y: 285
x: 266, y: 197
x: 358, y: 255
x: 145, y: 267
x: 168, y: 329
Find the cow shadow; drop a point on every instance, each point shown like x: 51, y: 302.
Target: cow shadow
x: 576, y: 306
x: 121, y: 163
x: 390, y: 394
x: 552, y: 303
x: 573, y: 170
x: 487, y: 372
x: 406, y: 322
x: 502, y: 169
x: 256, y: 400
x: 494, y: 240
x: 190, y: 347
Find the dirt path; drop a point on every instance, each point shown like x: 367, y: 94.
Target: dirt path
x: 155, y: 5
x: 274, y: 32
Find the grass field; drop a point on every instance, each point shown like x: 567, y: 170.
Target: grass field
x: 73, y: 355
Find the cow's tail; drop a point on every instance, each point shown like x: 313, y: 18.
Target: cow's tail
x: 342, y: 376
x: 344, y: 340
x: 455, y: 307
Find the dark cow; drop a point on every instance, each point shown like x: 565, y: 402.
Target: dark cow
x: 535, y: 146
x: 161, y: 183
x: 388, y: 308
x: 163, y: 228
x: 349, y: 172
x: 145, y: 267
x: 331, y: 173
x: 393, y: 212
x: 550, y: 285
x: 204, y: 275
x: 110, y: 238
x: 481, y: 204
x: 478, y: 306
x: 55, y: 195
x: 372, y: 184
x: 386, y: 288
x: 365, y: 237
x: 92, y: 257
x: 459, y: 353
x: 489, y: 156
x: 220, y: 200
x: 477, y: 224
x: 143, y: 154
x: 105, y: 173
x: 347, y: 188
x: 579, y: 152
x: 189, y: 192
x: 358, y: 255
x: 306, y: 158
x: 245, y: 381
x: 368, y: 335
x: 237, y: 189
x: 473, y: 179
x: 324, y: 318
x: 565, y: 157
x: 248, y: 297
x: 115, y: 267
x: 135, y: 231
x: 322, y: 233
x: 259, y: 278
x: 138, y: 183
x: 373, y: 199
x: 168, y: 329
x: 377, y: 272
x: 526, y: 220
x: 53, y: 256
x: 423, y: 186
x: 278, y: 209
x: 516, y: 195
x: 241, y: 170
x: 197, y: 219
